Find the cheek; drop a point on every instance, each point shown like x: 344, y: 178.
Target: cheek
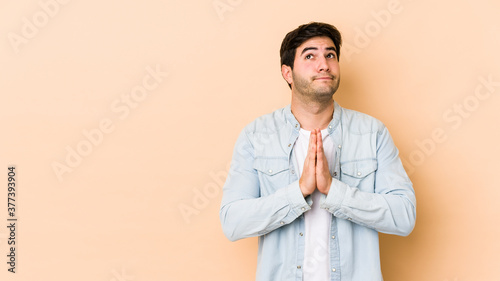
x: 335, y: 66
x: 335, y: 69
x: 306, y: 70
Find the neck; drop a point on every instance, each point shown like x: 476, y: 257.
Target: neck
x: 312, y: 115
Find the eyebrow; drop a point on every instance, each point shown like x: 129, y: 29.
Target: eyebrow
x: 314, y: 48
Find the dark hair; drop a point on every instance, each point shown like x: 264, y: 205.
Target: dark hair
x: 303, y: 33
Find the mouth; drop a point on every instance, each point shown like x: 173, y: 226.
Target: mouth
x: 323, y: 78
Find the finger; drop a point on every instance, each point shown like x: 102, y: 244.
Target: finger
x: 322, y: 162
x: 307, y: 180
x: 319, y: 150
x: 312, y: 146
x: 319, y: 144
x: 314, y: 140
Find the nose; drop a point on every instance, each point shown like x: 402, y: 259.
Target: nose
x: 323, y: 65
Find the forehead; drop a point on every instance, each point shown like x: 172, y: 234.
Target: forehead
x: 320, y: 43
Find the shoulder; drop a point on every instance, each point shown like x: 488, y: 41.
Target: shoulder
x: 266, y: 134
x: 360, y: 123
x: 267, y: 124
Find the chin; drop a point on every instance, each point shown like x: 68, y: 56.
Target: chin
x: 326, y: 92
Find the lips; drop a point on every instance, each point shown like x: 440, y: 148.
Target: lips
x: 324, y: 78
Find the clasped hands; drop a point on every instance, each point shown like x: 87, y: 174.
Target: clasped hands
x: 315, y: 173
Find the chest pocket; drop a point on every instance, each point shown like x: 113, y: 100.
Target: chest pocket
x: 273, y: 174
x: 360, y: 174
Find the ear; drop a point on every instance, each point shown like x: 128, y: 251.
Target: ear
x: 286, y: 72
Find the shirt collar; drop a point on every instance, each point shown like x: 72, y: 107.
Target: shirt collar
x: 331, y: 126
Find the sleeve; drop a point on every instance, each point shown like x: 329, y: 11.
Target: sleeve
x: 391, y: 208
x: 243, y: 212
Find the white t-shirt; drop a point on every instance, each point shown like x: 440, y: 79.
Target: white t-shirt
x: 317, y: 221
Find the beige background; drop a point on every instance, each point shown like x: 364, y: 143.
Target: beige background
x: 141, y: 202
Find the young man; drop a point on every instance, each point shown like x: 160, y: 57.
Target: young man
x: 316, y: 182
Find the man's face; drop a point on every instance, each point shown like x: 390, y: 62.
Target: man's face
x: 316, y: 73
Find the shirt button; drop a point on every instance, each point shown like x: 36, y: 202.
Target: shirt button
x: 303, y: 209
x: 333, y: 269
x: 359, y: 173
x: 282, y: 222
x: 301, y: 234
x: 270, y: 171
x: 333, y: 236
x: 293, y: 171
x: 330, y: 126
x: 340, y: 146
x: 289, y: 144
x: 296, y: 125
x: 334, y: 174
x: 349, y: 219
x: 299, y: 267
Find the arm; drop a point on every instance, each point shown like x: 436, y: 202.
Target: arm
x: 244, y: 213
x: 391, y: 208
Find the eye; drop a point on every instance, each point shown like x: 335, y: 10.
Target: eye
x: 331, y: 55
x: 308, y: 57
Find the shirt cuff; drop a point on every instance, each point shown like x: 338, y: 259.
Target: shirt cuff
x: 298, y: 203
x: 335, y: 197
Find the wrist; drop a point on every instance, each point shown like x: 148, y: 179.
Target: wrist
x: 304, y: 193
x: 327, y: 187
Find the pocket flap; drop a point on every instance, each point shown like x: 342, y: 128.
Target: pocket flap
x: 360, y: 168
x: 270, y: 166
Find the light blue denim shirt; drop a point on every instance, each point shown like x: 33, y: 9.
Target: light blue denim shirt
x: 370, y: 193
